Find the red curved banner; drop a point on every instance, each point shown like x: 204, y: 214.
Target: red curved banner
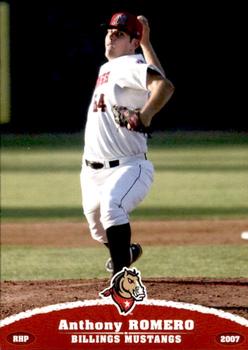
x: 98, y: 325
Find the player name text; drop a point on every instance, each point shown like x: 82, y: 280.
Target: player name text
x: 132, y: 325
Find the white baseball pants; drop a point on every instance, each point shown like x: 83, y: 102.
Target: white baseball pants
x: 110, y: 194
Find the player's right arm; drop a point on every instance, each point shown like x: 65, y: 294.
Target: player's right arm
x: 146, y: 46
x: 161, y: 89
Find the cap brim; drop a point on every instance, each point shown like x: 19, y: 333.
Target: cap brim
x: 106, y: 26
x: 109, y: 26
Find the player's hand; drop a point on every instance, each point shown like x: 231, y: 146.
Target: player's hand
x: 145, y: 40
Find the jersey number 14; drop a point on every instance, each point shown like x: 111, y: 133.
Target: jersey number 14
x: 99, y: 104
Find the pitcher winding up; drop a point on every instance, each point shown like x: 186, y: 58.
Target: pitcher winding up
x: 116, y: 175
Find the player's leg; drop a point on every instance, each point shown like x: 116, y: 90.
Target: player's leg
x: 91, y: 205
x: 119, y: 238
x: 123, y: 191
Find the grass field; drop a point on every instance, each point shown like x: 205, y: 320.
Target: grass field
x: 198, y: 176
x: 29, y: 263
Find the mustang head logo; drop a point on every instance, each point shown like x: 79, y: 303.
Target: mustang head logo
x: 126, y: 289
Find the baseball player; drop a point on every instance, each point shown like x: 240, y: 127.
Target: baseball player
x: 116, y: 174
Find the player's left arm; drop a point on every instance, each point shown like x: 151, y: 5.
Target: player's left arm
x: 161, y: 90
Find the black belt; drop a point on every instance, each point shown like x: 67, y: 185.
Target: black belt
x: 97, y: 165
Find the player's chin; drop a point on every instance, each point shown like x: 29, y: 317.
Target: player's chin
x: 110, y: 54
x: 109, y: 50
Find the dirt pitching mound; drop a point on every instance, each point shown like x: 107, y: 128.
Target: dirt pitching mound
x: 228, y: 295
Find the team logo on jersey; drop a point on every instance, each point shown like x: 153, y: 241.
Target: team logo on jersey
x: 126, y: 289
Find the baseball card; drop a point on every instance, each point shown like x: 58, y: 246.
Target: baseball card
x: 124, y: 204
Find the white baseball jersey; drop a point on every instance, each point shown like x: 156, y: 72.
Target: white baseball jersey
x: 111, y: 193
x: 123, y: 82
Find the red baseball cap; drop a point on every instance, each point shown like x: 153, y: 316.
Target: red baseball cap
x: 126, y: 22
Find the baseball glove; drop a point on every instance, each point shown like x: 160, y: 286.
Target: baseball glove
x: 129, y: 118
